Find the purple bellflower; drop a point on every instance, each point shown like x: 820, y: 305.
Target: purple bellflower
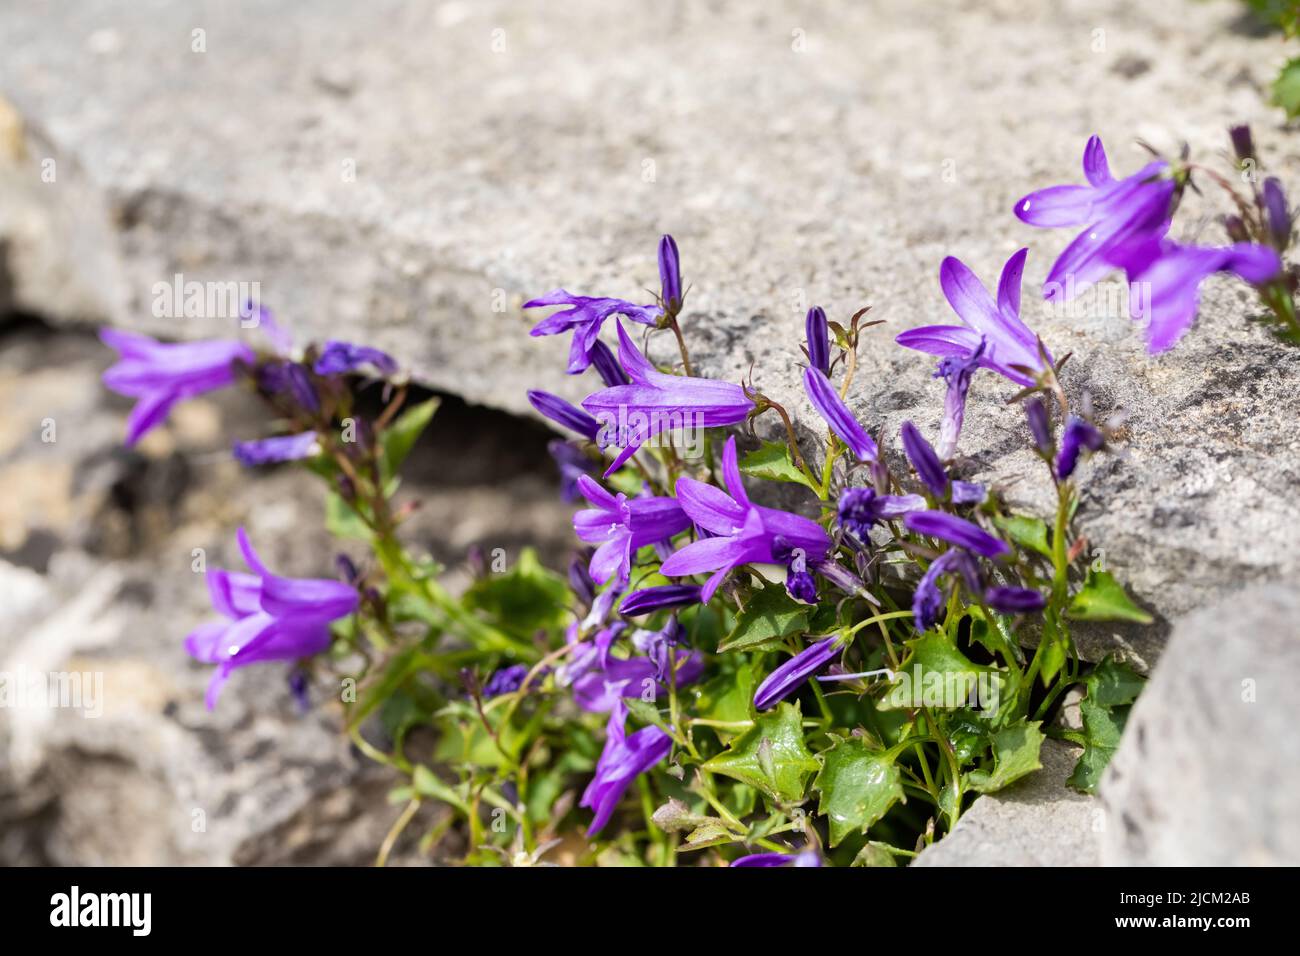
x: 606, y: 365
x: 621, y: 525
x: 267, y: 618
x: 956, y: 371
x: 861, y: 508
x: 1010, y: 600
x: 1165, y: 277
x: 1277, y: 212
x: 659, y: 598
x: 954, y: 530
x: 599, y: 690
x: 1113, y: 212
x: 584, y: 317
x: 267, y: 451
x: 573, y: 464
x: 624, y: 757
x: 657, y: 402
x: 1040, y: 424
x: 1006, y: 340
x: 932, y: 473
x: 831, y: 407
x: 562, y: 413
x: 928, y: 600
x: 817, y: 334
x: 338, y: 358
x: 794, y: 673
x: 1079, y: 435
x: 799, y: 581
x: 505, y: 680
x: 159, y: 375
x: 670, y: 274
x: 741, y: 532
x: 807, y: 857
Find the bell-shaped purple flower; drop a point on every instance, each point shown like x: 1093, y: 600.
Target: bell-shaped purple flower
x: 1040, y: 424
x: 670, y: 274
x: 928, y: 599
x: 956, y: 371
x: 621, y: 525
x: 799, y: 581
x: 266, y: 618
x: 808, y: 857
x: 741, y: 532
x: 794, y: 673
x: 599, y: 690
x: 631, y: 415
x: 659, y: 598
x: 584, y: 317
x: 1113, y: 212
x: 924, y: 460
x: 1165, y: 278
x: 861, y: 508
x: 624, y: 757
x: 505, y: 680
x: 572, y: 463
x: 562, y: 413
x: 1007, y: 340
x: 339, y: 358
x: 1243, y: 143
x: 159, y: 375
x: 817, y: 334
x: 932, y: 473
x: 1277, y: 212
x: 954, y: 530
x: 1012, y: 600
x: 831, y: 407
x: 267, y: 451
x: 606, y: 365
x: 1079, y: 435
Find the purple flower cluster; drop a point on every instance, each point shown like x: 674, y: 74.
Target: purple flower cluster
x: 1124, y: 225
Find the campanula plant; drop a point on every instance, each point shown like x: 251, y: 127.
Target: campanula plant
x: 765, y: 652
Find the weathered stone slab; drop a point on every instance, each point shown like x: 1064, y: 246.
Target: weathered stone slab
x: 1210, y: 763
x: 1037, y: 821
x: 408, y: 174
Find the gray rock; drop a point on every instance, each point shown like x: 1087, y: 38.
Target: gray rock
x: 1207, y: 769
x: 831, y: 155
x: 1037, y: 821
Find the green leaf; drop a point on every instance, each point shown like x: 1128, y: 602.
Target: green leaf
x: 427, y: 784
x: 772, y: 462
x: 342, y: 521
x: 936, y: 674
x: 522, y: 600
x: 770, y: 615
x: 400, y: 437
x: 1102, y: 599
x: 1286, y: 88
x: 1015, y: 754
x: 875, y: 854
x: 771, y: 756
x: 993, y: 632
x: 1109, y: 694
x: 1056, y: 643
x: 727, y: 697
x: 857, y: 787
x: 1027, y: 532
x: 645, y: 712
